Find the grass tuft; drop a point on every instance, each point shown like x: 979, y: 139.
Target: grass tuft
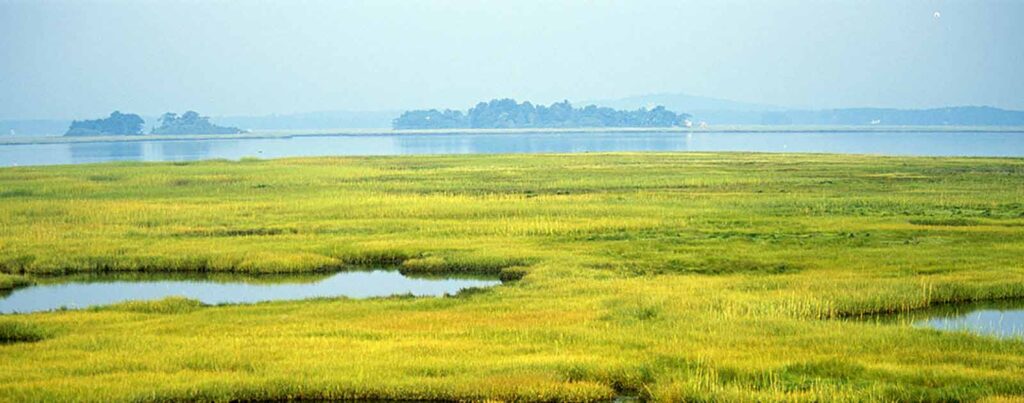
x: 9, y: 281
x: 12, y: 331
x: 456, y: 265
x: 166, y: 306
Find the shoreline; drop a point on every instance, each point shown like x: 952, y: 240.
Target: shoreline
x: 287, y: 134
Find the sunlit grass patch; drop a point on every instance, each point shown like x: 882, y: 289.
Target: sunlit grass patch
x: 169, y: 305
x: 630, y: 310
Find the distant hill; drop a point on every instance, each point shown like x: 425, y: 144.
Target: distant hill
x: 723, y: 111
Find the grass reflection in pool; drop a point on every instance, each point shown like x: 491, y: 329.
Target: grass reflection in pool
x: 1001, y: 319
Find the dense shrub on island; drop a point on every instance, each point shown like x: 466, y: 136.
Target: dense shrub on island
x: 122, y: 124
x: 507, y: 113
x: 191, y: 122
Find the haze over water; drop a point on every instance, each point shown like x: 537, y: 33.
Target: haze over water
x: 1001, y: 144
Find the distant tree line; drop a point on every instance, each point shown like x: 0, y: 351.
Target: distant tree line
x: 190, y: 122
x: 130, y: 124
x: 507, y: 113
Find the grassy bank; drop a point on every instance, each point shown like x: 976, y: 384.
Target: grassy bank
x: 669, y: 276
x: 9, y: 282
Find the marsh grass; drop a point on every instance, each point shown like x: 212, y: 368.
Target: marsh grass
x: 14, y: 331
x: 667, y: 276
x: 169, y: 305
x: 441, y: 265
x: 9, y: 282
x: 952, y: 222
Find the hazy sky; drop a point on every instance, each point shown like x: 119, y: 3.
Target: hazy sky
x: 74, y: 59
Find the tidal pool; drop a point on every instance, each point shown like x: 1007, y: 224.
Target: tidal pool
x: 73, y: 292
x: 1002, y: 319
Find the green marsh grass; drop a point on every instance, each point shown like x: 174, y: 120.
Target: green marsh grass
x: 11, y: 281
x: 669, y: 276
x: 13, y: 331
x: 169, y: 305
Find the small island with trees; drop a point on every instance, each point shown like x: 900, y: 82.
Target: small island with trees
x: 507, y: 113
x: 117, y: 124
x: 130, y: 124
x: 191, y: 122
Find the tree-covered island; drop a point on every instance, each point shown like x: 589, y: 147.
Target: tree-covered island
x: 130, y: 124
x: 120, y: 124
x: 507, y: 113
x: 191, y: 122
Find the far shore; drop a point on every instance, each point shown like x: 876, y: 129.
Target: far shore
x: 284, y: 134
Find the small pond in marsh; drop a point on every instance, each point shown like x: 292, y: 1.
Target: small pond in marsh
x: 1001, y: 319
x: 80, y: 291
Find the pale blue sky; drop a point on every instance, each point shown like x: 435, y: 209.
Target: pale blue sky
x: 74, y: 59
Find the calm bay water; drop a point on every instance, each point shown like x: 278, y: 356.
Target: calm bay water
x: 1000, y: 319
x: 1005, y: 144
x: 1001, y: 322
x: 79, y: 292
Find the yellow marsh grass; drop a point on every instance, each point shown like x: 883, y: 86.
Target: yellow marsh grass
x: 696, y: 276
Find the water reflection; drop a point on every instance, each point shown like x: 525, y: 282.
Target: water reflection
x: 182, y: 150
x: 541, y: 143
x: 1008, y: 144
x: 99, y: 152
x: 1002, y: 319
x: 88, y: 290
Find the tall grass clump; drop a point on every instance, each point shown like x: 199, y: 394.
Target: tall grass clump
x: 13, y: 331
x: 466, y: 265
x: 169, y: 305
x: 10, y: 281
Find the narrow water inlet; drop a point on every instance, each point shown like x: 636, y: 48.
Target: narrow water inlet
x: 74, y: 292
